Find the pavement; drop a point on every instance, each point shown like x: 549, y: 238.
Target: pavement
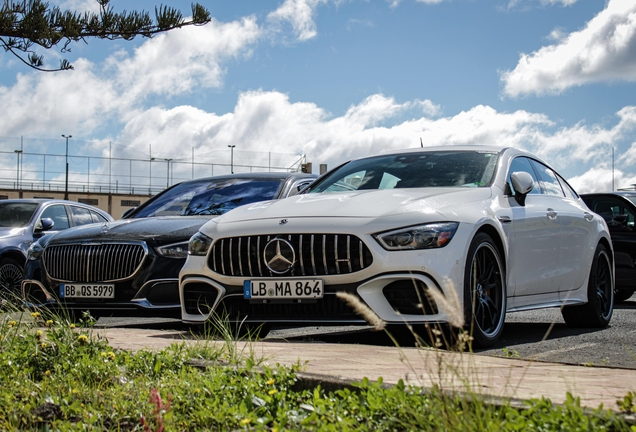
x: 497, y: 378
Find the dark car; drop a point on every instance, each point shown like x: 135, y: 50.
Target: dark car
x: 619, y: 211
x: 23, y: 221
x: 131, y: 266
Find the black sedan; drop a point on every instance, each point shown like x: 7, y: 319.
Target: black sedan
x: 619, y: 211
x: 23, y: 221
x: 131, y: 266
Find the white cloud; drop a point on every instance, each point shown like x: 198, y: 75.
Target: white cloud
x: 605, y: 50
x: 267, y: 120
x: 558, y: 2
x: 300, y: 14
x: 180, y: 60
x: 430, y: 1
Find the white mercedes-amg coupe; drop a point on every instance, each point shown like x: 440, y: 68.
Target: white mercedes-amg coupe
x: 496, y: 229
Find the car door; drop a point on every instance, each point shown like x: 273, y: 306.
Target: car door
x: 577, y: 228
x: 535, y: 235
x: 621, y: 221
x: 56, y: 212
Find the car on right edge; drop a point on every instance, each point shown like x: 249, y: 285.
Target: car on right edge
x: 488, y: 230
x: 619, y: 211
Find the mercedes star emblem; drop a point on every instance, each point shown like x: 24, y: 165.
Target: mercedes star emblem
x: 279, y: 256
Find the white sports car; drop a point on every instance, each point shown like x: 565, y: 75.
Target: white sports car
x: 497, y: 229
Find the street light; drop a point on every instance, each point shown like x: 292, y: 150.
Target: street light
x: 66, y: 183
x: 17, y: 173
x: 231, y: 146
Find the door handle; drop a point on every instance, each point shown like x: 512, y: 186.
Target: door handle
x: 588, y: 216
x: 551, y: 213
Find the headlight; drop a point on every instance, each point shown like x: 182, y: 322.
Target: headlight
x: 429, y: 236
x: 176, y: 250
x: 35, y: 251
x: 199, y: 244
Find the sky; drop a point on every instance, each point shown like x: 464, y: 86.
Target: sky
x: 331, y: 80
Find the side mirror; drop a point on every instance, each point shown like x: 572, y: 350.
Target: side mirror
x: 523, y: 183
x: 44, y: 224
x: 127, y: 212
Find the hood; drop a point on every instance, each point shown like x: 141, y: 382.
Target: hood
x: 360, y: 204
x: 156, y: 230
x: 11, y: 232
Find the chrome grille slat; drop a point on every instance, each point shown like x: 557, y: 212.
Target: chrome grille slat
x: 93, y: 262
x: 315, y: 255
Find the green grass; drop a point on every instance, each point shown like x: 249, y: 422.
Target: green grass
x: 57, y: 376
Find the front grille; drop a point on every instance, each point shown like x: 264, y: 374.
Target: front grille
x: 316, y: 255
x: 93, y: 262
x: 328, y: 308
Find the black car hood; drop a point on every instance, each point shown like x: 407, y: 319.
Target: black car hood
x: 155, y: 230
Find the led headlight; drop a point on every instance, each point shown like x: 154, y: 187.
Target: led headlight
x: 176, y: 250
x: 199, y: 244
x: 35, y: 251
x: 429, y: 236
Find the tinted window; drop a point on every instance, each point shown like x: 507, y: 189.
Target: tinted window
x: 569, y: 192
x: 412, y: 170
x: 610, y: 208
x: 81, y: 216
x: 58, y: 214
x: 522, y: 164
x: 210, y: 197
x: 15, y: 215
x: 97, y: 217
x: 548, y: 180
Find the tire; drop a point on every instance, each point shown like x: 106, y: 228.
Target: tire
x: 11, y: 275
x: 484, y: 292
x: 622, y: 295
x: 597, y: 312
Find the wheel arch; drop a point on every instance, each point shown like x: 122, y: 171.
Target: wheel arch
x: 496, y: 237
x: 15, y: 255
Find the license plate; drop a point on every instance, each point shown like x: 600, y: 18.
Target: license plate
x: 283, y: 289
x: 98, y: 291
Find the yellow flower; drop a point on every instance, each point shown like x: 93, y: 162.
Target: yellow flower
x: 47, y: 373
x: 111, y: 355
x: 43, y: 345
x: 82, y: 338
x: 39, y: 334
x: 74, y: 391
x: 72, y: 325
x: 271, y: 381
x: 12, y: 323
x: 245, y: 421
x: 35, y: 314
x: 49, y: 323
x: 272, y: 391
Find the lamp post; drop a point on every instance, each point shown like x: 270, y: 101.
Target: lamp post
x: 17, y: 169
x: 66, y: 183
x: 231, y: 146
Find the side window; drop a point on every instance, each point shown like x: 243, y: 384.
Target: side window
x: 81, y: 215
x: 59, y: 216
x: 523, y: 164
x: 97, y: 217
x: 569, y: 192
x: 609, y: 208
x: 549, y: 182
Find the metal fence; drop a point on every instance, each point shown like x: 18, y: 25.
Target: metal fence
x: 27, y: 170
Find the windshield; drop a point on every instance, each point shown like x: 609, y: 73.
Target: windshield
x: 412, y: 170
x: 16, y: 215
x: 210, y: 197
